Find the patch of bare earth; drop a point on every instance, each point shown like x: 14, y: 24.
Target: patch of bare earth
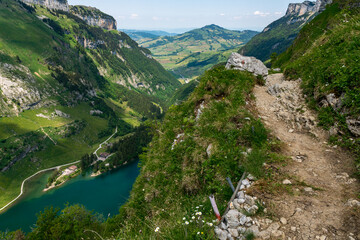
x: 310, y: 213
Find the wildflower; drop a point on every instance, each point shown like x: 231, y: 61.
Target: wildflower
x: 202, y: 232
x: 157, y: 229
x: 184, y: 218
x: 193, y: 217
x: 186, y: 223
x: 210, y: 224
x: 197, y: 206
x: 198, y: 233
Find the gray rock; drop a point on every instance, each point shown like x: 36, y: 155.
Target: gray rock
x: 237, y: 205
x: 273, y: 227
x: 241, y: 195
x: 335, y: 103
x: 279, y: 235
x: 274, y: 90
x: 232, y: 218
x: 250, y: 64
x: 223, y: 226
x: 234, y: 232
x: 243, y: 220
x: 245, y: 182
x: 252, y: 210
x: 249, y: 200
x: 61, y: 114
x: 287, y: 182
x: 283, y: 221
x: 51, y: 4
x: 221, y: 234
x: 264, y: 234
x: 209, y: 150
x: 241, y: 230
x: 255, y: 230
x: 353, y: 126
x: 353, y: 203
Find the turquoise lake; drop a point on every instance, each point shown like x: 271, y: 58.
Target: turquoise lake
x: 103, y: 194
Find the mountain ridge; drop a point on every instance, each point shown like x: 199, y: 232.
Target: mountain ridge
x: 279, y: 35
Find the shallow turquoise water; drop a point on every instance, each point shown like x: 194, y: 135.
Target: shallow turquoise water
x: 103, y: 194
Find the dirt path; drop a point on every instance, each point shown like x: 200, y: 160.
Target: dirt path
x: 310, y: 214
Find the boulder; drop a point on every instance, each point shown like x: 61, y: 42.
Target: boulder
x: 232, y: 218
x: 250, y: 64
x: 234, y: 232
x: 353, y: 126
x: 221, y: 234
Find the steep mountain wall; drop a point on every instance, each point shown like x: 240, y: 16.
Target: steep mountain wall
x: 94, y: 17
x: 279, y: 35
x: 51, y: 4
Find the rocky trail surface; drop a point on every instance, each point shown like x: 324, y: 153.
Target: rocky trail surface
x: 323, y: 207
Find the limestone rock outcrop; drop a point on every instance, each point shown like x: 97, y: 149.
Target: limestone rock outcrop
x: 51, y: 4
x: 300, y: 9
x: 250, y: 64
x: 94, y: 17
x: 17, y: 92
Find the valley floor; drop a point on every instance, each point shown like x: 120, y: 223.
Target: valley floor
x: 324, y: 208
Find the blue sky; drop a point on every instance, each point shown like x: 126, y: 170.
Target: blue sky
x: 187, y: 14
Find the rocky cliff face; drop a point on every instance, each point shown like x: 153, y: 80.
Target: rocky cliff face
x: 51, y: 4
x: 300, y: 9
x: 94, y: 17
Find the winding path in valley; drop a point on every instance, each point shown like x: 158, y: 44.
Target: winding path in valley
x: 52, y: 168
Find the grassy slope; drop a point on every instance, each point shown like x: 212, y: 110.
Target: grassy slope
x: 276, y: 39
x: 23, y: 36
x: 173, y: 182
x: 326, y: 56
x: 191, y: 53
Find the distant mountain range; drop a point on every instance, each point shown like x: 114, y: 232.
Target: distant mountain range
x: 189, y: 54
x: 147, y: 34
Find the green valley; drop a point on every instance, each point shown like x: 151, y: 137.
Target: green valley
x: 66, y: 84
x: 190, y: 54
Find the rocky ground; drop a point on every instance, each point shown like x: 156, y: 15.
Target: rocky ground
x: 324, y: 204
x: 328, y: 209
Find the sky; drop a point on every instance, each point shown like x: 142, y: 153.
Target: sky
x: 181, y: 15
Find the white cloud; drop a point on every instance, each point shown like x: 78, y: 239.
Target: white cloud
x: 222, y: 14
x: 262, y: 14
x: 134, y: 16
x: 278, y: 13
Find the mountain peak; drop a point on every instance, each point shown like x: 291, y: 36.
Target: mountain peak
x: 212, y: 26
x: 300, y: 9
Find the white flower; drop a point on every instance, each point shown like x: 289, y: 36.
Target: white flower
x: 193, y: 217
x: 198, y: 233
x: 184, y: 218
x: 210, y: 224
x: 197, y: 206
x: 157, y: 229
x: 187, y: 223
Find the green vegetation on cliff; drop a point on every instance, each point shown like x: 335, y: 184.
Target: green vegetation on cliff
x: 65, y: 86
x: 326, y: 57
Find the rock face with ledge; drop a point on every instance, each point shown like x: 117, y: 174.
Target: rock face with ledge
x: 300, y: 9
x: 51, y: 4
x: 250, y: 64
x: 94, y: 17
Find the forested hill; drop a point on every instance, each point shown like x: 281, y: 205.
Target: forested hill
x: 190, y: 54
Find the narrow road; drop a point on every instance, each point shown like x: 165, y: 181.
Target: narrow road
x: 100, y: 146
x: 23, y: 183
x: 310, y: 214
x: 42, y: 129
x: 53, y: 168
